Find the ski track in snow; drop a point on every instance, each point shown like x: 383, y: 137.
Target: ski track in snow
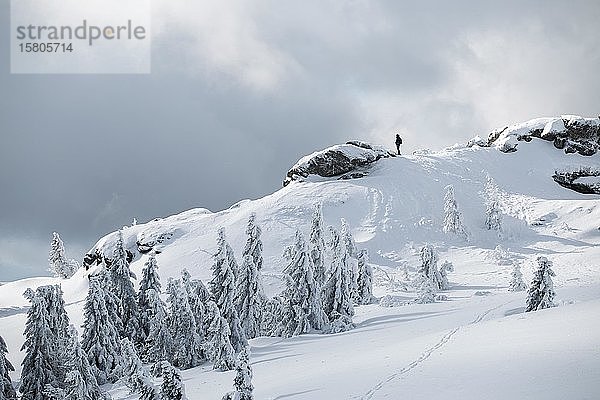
x: 427, y: 353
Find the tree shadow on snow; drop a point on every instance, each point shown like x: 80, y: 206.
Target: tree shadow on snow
x: 400, y: 318
x: 287, y: 396
x: 513, y: 311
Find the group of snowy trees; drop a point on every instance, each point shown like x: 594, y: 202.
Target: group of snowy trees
x: 124, y: 330
x: 121, y: 328
x: 453, y: 220
x: 55, y: 365
x: 430, y: 279
x: 320, y: 296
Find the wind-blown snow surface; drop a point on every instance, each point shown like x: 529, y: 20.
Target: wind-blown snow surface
x: 476, y: 344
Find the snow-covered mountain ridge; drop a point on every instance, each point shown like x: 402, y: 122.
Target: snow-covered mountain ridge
x: 394, y: 205
x: 393, y: 209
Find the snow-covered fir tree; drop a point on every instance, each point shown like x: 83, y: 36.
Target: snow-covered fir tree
x: 541, y: 291
x: 254, y: 244
x: 348, y: 241
x: 59, y: 265
x: 317, y: 245
x: 80, y: 382
x: 110, y: 301
x: 347, y: 238
x: 197, y: 297
x: 7, y: 391
x: 53, y: 393
x: 516, y: 282
x: 148, y: 391
x: 187, y: 347
x: 493, y: 213
x: 101, y: 341
x: 159, y: 344
x: 428, y: 268
x: 273, y: 315
x: 425, y: 291
x: 337, y: 300
x: 150, y: 281
x: 242, y: 383
x: 452, y: 216
x: 172, y: 387
x: 43, y: 363
x: 222, y: 289
x: 218, y: 344
x: 364, y: 278
x: 134, y: 373
x: 302, y: 294
x: 249, y: 297
x: 444, y: 269
x: 122, y: 287
x: 58, y: 323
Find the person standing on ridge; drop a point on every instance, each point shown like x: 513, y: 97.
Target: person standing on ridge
x: 398, y: 142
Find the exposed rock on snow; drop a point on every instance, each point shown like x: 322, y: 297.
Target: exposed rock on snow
x: 347, y: 161
x: 572, y: 133
x: 582, y: 180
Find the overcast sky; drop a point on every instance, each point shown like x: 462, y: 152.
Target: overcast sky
x: 240, y: 90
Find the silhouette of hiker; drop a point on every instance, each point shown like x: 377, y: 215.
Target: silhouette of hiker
x: 398, y: 143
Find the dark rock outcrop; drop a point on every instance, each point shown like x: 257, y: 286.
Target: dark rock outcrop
x: 570, y: 133
x: 572, y: 180
x: 346, y: 161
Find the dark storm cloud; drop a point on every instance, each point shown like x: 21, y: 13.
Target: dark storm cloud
x: 240, y: 91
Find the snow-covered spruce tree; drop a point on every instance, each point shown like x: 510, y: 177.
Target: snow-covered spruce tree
x: 110, y: 301
x: 218, y: 344
x: 541, y: 292
x: 222, y: 289
x: 159, y: 344
x: 242, y: 383
x: 337, y: 301
x: 172, y: 387
x: 134, y: 373
x: 452, y: 216
x: 59, y: 320
x: 428, y: 268
x: 42, y: 365
x: 59, y: 265
x: 150, y: 281
x: 187, y: 348
x: 317, y: 245
x: 516, y: 282
x: 365, y: 278
x: 302, y: 294
x: 53, y: 393
x: 273, y: 315
x: 347, y: 238
x: 444, y: 269
x: 80, y: 382
x: 493, y: 213
x: 425, y: 291
x: 148, y: 391
x: 249, y: 297
x: 7, y: 391
x: 197, y: 296
x: 100, y: 336
x: 254, y: 244
x: 122, y: 287
x: 348, y: 241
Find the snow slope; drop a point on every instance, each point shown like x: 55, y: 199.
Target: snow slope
x: 462, y: 346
